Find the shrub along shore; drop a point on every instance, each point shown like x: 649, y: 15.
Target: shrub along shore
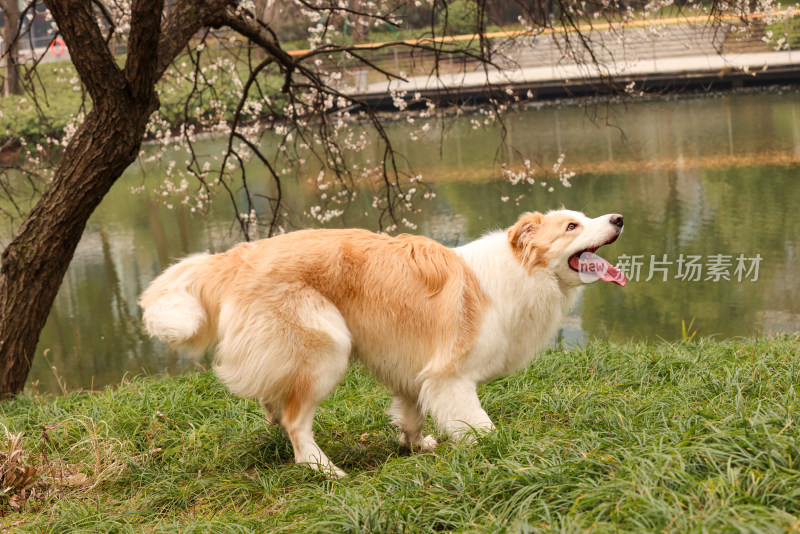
x: 687, y: 436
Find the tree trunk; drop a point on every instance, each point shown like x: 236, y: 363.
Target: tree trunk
x: 106, y: 144
x: 11, y: 47
x: 34, y: 263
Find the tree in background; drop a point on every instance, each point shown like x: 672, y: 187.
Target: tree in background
x: 10, y: 37
x: 220, y: 67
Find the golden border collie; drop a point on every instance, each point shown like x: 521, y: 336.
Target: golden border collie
x: 431, y: 323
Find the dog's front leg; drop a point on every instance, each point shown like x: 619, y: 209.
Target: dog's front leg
x: 453, y: 403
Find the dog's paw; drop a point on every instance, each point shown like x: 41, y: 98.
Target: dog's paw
x: 428, y: 443
x: 334, y: 472
x: 328, y: 469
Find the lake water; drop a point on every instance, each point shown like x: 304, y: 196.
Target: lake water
x: 709, y: 187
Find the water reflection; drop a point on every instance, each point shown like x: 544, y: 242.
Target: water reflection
x: 701, y: 176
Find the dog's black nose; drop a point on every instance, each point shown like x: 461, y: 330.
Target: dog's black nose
x: 616, y: 219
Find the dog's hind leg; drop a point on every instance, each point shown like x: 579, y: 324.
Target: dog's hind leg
x: 453, y: 403
x: 297, y: 420
x: 407, y: 415
x: 290, y: 353
x: 321, y: 356
x: 269, y: 412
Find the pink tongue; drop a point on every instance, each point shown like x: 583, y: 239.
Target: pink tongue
x: 591, y: 264
x: 613, y: 274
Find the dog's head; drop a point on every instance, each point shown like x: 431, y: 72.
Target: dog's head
x: 564, y: 242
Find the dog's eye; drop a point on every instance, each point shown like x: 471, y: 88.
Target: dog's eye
x: 571, y: 226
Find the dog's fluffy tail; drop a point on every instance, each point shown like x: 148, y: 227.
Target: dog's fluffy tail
x: 174, y: 311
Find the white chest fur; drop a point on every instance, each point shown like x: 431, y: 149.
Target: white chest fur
x: 525, y: 308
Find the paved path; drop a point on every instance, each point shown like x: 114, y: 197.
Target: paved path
x: 683, y: 53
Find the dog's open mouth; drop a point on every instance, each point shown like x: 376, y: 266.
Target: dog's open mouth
x: 592, y: 267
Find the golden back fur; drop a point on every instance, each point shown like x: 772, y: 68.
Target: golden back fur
x: 406, y: 296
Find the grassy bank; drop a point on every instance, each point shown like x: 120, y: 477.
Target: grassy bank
x: 667, y: 437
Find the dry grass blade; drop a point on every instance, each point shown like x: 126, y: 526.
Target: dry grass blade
x: 16, y: 474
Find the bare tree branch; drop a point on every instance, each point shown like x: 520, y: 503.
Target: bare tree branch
x: 90, y: 55
x: 185, y: 19
x: 253, y: 31
x: 108, y: 18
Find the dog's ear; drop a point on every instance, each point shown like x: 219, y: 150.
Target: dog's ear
x: 527, y: 224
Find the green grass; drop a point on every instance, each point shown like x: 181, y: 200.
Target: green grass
x: 698, y: 437
x: 788, y: 30
x: 59, y: 100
